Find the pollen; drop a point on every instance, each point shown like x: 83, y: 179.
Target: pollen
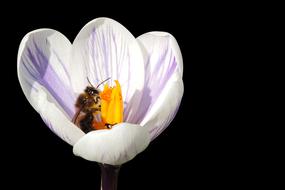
x: 111, y: 106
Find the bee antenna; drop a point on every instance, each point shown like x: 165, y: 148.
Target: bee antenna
x: 89, y: 82
x: 103, y: 82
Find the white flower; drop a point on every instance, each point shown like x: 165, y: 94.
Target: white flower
x: 53, y: 72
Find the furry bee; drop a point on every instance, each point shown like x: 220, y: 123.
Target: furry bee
x: 88, y: 105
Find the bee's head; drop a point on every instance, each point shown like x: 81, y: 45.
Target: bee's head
x: 91, y: 91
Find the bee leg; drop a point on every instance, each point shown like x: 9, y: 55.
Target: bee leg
x: 86, y: 122
x: 109, y: 126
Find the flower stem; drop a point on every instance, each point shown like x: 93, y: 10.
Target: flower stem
x: 109, y: 176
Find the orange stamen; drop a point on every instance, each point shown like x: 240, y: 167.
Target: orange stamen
x: 111, y: 106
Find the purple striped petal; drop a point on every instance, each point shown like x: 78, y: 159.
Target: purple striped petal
x: 106, y: 49
x: 43, y: 72
x: 163, y: 86
x: 165, y: 108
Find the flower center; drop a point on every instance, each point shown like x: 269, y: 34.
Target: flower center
x: 99, y: 110
x: 111, y: 107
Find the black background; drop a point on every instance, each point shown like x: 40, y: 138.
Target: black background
x: 199, y: 148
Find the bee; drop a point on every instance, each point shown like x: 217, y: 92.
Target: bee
x: 88, y: 105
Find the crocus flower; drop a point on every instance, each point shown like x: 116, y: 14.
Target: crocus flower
x: 53, y: 72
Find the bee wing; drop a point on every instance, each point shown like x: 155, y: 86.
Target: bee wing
x: 98, y: 123
x: 97, y: 116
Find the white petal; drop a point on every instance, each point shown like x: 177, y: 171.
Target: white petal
x: 164, y: 86
x: 43, y: 74
x: 165, y: 108
x: 115, y: 147
x: 103, y: 49
x: 154, y: 41
x: 44, y: 57
x: 54, y: 118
